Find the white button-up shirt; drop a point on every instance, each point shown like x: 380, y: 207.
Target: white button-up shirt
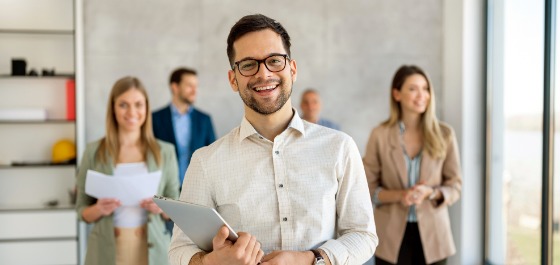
x: 305, y: 190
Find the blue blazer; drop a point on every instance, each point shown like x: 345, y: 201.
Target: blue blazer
x: 202, y: 130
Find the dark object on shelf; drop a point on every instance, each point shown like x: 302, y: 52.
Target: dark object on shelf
x: 19, y: 67
x: 57, y: 75
x: 52, y: 203
x: 47, y: 72
x: 32, y: 72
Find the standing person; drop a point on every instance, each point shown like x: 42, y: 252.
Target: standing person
x: 311, y: 109
x: 127, y: 234
x: 297, y: 190
x: 180, y: 123
x: 413, y: 171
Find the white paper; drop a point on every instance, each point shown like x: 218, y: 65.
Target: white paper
x: 130, y: 190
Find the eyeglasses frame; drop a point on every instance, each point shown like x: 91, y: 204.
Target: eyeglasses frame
x: 262, y: 61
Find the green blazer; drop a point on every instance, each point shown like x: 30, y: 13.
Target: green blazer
x: 101, y: 242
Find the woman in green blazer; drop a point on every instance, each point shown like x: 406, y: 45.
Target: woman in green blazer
x: 127, y: 234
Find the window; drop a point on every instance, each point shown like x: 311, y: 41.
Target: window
x: 516, y: 80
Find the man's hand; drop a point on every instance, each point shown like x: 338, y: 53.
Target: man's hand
x: 245, y: 251
x: 150, y: 206
x: 288, y: 258
x: 106, y: 206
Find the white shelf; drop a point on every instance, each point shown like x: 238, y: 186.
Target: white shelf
x: 25, y: 225
x: 32, y: 142
x: 43, y: 33
x: 35, y: 208
x: 60, y: 252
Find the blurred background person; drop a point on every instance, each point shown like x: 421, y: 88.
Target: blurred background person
x: 180, y: 123
x: 121, y: 234
x: 311, y: 109
x: 413, y: 171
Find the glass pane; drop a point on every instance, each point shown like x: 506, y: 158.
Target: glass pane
x: 523, y: 104
x: 556, y: 190
x: 515, y: 185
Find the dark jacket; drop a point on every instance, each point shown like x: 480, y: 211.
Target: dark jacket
x: 202, y: 130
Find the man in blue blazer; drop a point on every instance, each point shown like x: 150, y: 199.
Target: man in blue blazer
x: 182, y: 124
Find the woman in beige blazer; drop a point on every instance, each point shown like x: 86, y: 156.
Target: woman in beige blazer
x: 127, y: 234
x: 413, y: 171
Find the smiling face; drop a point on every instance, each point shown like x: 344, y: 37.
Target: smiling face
x: 130, y: 110
x: 414, y: 94
x: 266, y: 92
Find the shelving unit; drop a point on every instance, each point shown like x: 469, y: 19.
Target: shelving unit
x: 37, y: 122
x: 36, y: 211
x: 32, y: 31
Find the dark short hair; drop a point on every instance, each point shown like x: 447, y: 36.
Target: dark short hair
x: 178, y: 74
x: 252, y: 23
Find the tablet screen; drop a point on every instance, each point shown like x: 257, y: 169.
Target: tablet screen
x: 199, y: 223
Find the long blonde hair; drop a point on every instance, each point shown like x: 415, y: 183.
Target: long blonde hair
x: 434, y: 142
x: 110, y: 145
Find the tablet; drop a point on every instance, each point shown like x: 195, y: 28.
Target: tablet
x: 199, y: 223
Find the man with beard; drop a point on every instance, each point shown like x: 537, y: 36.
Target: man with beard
x: 296, y: 190
x: 180, y: 123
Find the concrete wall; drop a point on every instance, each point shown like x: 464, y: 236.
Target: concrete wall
x: 348, y: 50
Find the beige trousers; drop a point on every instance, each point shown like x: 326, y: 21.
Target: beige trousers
x: 132, y: 246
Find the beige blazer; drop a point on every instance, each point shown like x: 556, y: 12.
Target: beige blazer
x: 385, y: 167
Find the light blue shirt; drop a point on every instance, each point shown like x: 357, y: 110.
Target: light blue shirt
x: 413, y: 172
x: 413, y: 175
x: 182, y: 127
x: 328, y: 124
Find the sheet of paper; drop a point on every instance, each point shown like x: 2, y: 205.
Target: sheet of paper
x: 130, y: 190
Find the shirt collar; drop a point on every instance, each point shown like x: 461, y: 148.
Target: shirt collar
x: 246, y: 128
x: 175, y: 111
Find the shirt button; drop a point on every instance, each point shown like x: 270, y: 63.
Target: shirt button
x: 281, y: 185
x: 277, y: 152
x: 285, y: 219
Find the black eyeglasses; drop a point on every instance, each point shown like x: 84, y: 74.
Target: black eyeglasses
x: 250, y: 67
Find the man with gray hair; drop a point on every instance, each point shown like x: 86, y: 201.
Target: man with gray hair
x: 311, y: 109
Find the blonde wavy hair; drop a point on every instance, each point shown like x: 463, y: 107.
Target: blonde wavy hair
x: 434, y: 141
x: 110, y: 145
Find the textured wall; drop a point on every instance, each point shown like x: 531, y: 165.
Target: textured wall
x: 348, y: 50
